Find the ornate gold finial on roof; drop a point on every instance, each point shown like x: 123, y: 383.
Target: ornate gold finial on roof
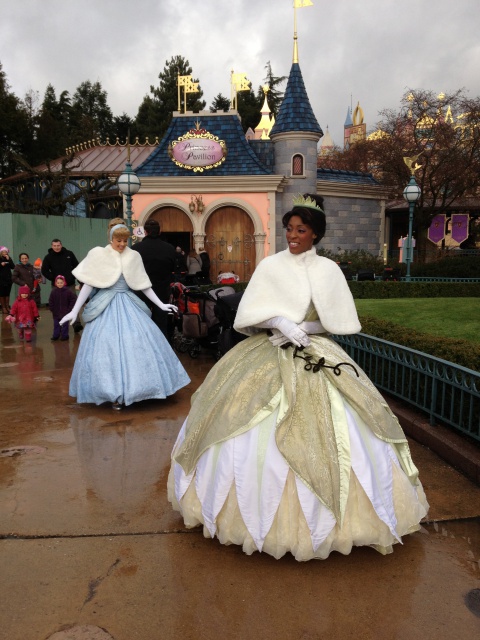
x: 96, y: 142
x: 411, y: 163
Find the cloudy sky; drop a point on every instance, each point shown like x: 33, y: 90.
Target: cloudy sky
x: 350, y: 51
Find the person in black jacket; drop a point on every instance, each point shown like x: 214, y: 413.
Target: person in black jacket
x: 6, y: 267
x: 61, y: 261
x: 159, y: 262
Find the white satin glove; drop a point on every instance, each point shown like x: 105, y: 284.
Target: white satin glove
x: 314, y: 326
x: 278, y: 339
x: 152, y: 296
x: 85, y: 291
x: 288, y: 329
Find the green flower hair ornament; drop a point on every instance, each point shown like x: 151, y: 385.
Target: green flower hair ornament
x: 301, y: 201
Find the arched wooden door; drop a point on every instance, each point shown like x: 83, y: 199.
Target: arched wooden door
x: 230, y: 242
x: 176, y: 227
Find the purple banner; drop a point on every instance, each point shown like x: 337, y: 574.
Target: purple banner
x: 436, y: 230
x: 460, y: 226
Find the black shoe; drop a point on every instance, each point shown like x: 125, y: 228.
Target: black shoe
x: 66, y: 338
x: 53, y: 338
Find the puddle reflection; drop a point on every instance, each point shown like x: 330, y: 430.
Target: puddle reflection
x: 123, y: 463
x: 466, y: 530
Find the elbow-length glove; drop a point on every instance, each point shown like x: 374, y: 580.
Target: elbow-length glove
x: 152, y: 296
x: 287, y: 331
x: 85, y: 291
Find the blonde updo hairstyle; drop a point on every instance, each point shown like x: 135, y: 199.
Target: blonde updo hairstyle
x: 120, y: 233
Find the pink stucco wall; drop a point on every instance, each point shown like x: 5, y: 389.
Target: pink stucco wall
x: 254, y: 204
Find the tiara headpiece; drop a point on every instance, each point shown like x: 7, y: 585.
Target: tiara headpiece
x: 301, y: 201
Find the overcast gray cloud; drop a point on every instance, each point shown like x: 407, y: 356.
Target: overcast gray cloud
x: 369, y: 51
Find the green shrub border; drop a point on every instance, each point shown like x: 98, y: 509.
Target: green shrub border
x: 390, y: 289
x: 461, y: 352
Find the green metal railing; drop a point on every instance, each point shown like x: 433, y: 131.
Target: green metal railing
x: 447, y: 392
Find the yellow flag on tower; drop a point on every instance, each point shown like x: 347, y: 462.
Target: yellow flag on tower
x: 184, y: 80
x: 240, y: 81
x: 298, y: 4
x: 191, y: 87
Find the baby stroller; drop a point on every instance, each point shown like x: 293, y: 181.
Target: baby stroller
x: 196, y: 323
x: 225, y: 310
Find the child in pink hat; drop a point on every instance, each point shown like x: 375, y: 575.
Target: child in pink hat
x: 24, y: 314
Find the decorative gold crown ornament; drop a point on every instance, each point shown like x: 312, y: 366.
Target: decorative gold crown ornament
x: 301, y: 201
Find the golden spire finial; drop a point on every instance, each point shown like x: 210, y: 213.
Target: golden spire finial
x: 297, y: 4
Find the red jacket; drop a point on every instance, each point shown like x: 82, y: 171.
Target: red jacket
x: 25, y: 311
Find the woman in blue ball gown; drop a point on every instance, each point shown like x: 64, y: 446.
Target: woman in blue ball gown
x: 123, y: 357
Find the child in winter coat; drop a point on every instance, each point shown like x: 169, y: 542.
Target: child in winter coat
x: 61, y: 301
x: 24, y: 313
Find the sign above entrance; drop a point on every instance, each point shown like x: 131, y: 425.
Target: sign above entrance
x: 198, y: 150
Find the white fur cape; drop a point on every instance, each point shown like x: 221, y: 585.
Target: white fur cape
x: 284, y: 285
x: 102, y: 267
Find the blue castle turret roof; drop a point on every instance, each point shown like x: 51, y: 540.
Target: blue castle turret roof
x: 348, y: 119
x: 295, y: 113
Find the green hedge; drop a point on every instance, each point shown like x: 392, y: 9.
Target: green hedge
x: 450, y: 267
x: 391, y: 289
x: 380, y: 289
x: 460, y: 352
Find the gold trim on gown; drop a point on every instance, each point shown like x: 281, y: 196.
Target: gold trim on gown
x: 255, y: 383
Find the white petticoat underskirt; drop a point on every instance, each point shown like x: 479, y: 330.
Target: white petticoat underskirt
x: 244, y: 492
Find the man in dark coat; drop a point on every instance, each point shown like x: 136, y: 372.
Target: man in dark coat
x: 159, y: 262
x: 61, y: 261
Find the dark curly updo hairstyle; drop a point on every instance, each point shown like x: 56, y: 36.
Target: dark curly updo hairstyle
x: 309, y: 215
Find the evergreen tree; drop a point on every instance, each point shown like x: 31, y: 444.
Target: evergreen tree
x: 125, y: 129
x: 14, y: 128
x: 53, y: 127
x: 91, y: 117
x: 155, y: 112
x: 274, y: 96
x: 248, y: 107
x: 147, y: 122
x: 220, y: 103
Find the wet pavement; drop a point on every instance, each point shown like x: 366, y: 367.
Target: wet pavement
x: 90, y: 548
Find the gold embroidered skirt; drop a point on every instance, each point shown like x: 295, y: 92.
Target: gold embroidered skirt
x: 277, y: 457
